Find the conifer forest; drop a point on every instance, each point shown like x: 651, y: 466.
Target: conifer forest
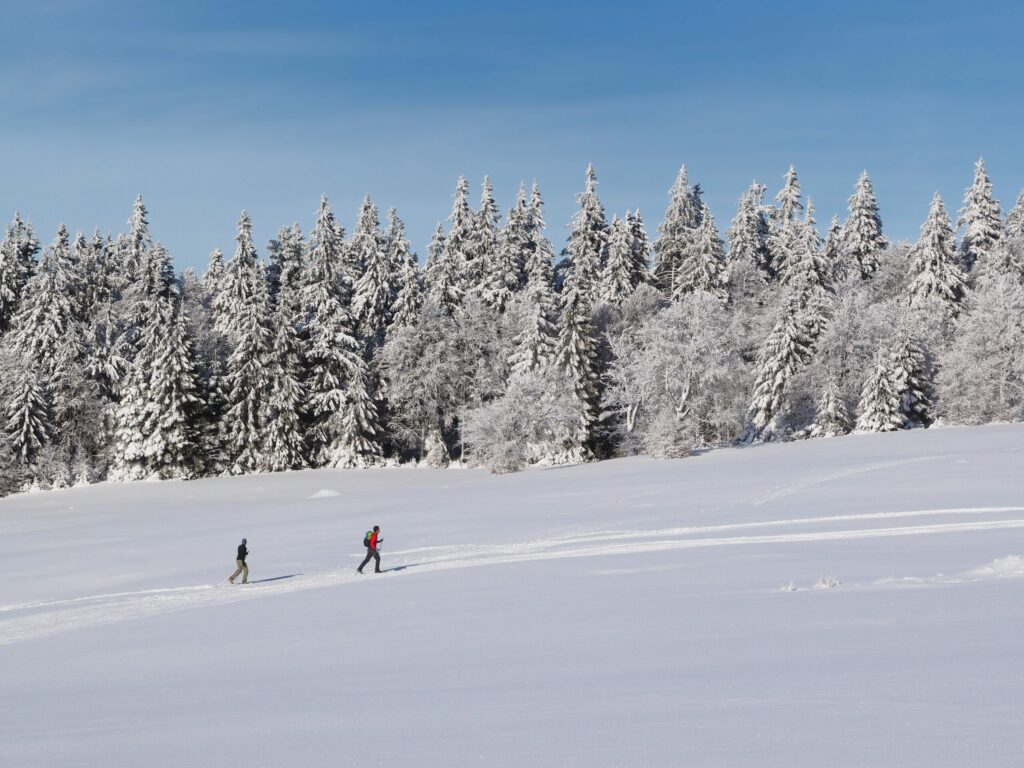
x: 337, y: 346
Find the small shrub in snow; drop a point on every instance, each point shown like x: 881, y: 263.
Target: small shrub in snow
x: 827, y: 582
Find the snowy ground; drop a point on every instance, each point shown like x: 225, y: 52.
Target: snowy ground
x: 628, y: 613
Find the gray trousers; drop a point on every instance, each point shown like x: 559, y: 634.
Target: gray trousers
x: 371, y: 552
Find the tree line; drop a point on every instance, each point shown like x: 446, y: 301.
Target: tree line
x: 341, y: 350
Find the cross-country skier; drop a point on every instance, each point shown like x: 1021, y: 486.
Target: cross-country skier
x: 370, y: 541
x: 240, y: 562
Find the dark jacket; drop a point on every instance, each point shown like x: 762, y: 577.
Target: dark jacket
x: 242, y: 552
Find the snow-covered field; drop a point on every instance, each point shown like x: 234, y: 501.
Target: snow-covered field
x: 628, y: 613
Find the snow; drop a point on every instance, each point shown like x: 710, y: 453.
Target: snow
x: 626, y: 613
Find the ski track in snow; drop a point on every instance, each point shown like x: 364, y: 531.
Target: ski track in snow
x: 33, y: 620
x: 789, y: 489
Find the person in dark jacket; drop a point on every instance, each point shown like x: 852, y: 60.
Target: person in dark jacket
x: 240, y: 562
x: 372, y: 540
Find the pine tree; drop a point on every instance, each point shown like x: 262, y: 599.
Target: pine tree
x: 213, y: 278
x: 29, y: 422
x: 805, y: 263
x: 483, y: 270
x: 701, y: 265
x: 374, y: 293
x: 508, y: 276
x: 341, y: 413
x: 248, y: 387
x: 442, y: 274
x: 286, y: 257
x: 617, y: 276
x: 535, y: 345
x: 748, y: 233
x: 242, y: 288
x: 585, y: 251
x: 458, y: 255
x: 409, y: 294
x: 45, y: 314
x: 641, y: 248
x: 981, y: 219
x: 285, y: 446
x: 832, y: 417
x: 576, y: 356
x: 898, y: 394
x: 787, y: 201
x: 137, y: 243
x: 862, y: 233
x: 934, y: 271
x: 832, y: 251
x: 676, y: 233
x: 783, y: 354
x: 913, y: 379
x: 1015, y: 220
x: 879, y: 407
x: 170, y: 419
x: 17, y: 265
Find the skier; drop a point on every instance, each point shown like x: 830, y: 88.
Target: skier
x: 242, y: 567
x: 371, y: 541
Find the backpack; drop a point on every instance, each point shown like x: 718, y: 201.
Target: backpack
x: 366, y: 538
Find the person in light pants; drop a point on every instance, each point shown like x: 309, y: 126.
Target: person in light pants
x: 242, y: 567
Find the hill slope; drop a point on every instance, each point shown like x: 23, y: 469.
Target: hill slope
x: 619, y: 614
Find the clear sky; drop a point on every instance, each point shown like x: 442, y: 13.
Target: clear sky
x: 206, y: 108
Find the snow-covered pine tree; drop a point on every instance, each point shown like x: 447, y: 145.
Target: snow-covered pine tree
x: 862, y: 232
x: 508, y: 275
x: 17, y: 265
x: 934, y: 271
x: 483, y: 270
x: 805, y: 263
x: 787, y: 201
x: 536, y: 343
x: 171, y: 445
x: 576, y: 356
x: 617, y: 275
x: 374, y: 291
x: 337, y: 401
x: 293, y: 270
x: 442, y: 274
x: 748, y: 232
x: 409, y: 295
x: 242, y: 288
x: 832, y: 417
x: 899, y: 392
x: 879, y: 406
x: 585, y: 251
x: 285, y: 256
x: 981, y: 219
x: 641, y: 248
x: 832, y: 251
x: 675, y: 233
x: 285, y: 445
x: 136, y: 243
x: 247, y: 384
x: 457, y: 259
x: 1014, y: 228
x: 213, y: 277
x: 46, y: 315
x: 701, y: 265
x: 134, y: 409
x: 785, y: 351
x: 29, y: 422
x: 913, y: 378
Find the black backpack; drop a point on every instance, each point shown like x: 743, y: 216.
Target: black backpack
x: 366, y: 539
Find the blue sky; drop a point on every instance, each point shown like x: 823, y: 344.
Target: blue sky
x: 207, y: 108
